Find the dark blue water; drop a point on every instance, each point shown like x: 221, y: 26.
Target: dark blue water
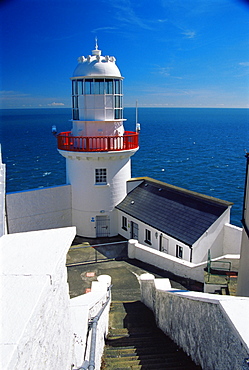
x: 197, y: 149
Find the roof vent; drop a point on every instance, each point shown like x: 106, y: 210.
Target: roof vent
x: 160, y: 189
x: 145, y: 184
x: 132, y: 202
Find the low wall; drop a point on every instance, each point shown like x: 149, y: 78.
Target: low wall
x: 173, y: 264
x: 232, y: 239
x: 212, y: 329
x: 36, y: 329
x: 82, y: 309
x: 39, y: 209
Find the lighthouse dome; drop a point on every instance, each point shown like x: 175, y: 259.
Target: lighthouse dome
x: 96, y: 65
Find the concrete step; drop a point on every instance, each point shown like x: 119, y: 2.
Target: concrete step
x: 135, y: 342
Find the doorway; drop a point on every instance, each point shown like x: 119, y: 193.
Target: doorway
x: 163, y: 244
x: 102, y: 226
x: 134, y: 230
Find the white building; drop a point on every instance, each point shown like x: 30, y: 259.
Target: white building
x: 176, y: 221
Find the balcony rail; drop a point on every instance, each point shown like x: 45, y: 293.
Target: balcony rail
x: 71, y: 143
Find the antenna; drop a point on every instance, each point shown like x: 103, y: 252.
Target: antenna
x: 96, y: 43
x: 138, y: 128
x: 136, y: 112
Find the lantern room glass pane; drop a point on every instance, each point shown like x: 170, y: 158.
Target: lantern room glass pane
x: 74, y: 87
x: 89, y: 86
x: 99, y: 86
x: 117, y: 86
x: 109, y: 86
x: 80, y: 87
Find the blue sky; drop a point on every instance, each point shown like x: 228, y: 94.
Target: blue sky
x: 172, y: 53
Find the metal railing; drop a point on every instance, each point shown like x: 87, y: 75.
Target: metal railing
x: 65, y: 141
x: 86, y: 254
x: 92, y: 325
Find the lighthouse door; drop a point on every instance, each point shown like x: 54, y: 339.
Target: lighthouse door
x: 102, y: 226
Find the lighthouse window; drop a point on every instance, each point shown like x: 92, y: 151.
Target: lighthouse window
x: 118, y: 101
x: 118, y: 113
x: 99, y: 86
x: 80, y: 87
x: 74, y: 87
x: 89, y: 86
x: 117, y: 86
x: 100, y: 176
x: 109, y: 86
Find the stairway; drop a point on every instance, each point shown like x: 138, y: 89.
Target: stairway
x: 135, y: 342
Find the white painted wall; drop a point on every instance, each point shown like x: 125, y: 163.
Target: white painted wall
x: 89, y: 199
x: 155, y: 236
x: 232, y: 239
x: 212, y: 239
x: 36, y: 331
x: 86, y: 307
x: 222, y: 238
x: 173, y: 264
x: 243, y: 276
x: 39, y: 209
x: 212, y: 329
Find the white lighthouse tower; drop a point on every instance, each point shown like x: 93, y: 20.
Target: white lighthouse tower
x: 97, y: 149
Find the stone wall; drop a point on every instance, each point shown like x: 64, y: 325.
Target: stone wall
x: 209, y: 328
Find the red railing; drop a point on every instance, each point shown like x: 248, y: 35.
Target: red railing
x: 71, y: 143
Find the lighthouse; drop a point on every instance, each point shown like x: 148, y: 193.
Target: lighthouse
x: 98, y: 150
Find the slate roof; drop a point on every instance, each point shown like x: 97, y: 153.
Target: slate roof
x: 180, y: 213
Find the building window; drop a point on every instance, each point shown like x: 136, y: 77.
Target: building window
x: 124, y: 223
x: 147, y: 236
x: 179, y: 251
x: 100, y: 176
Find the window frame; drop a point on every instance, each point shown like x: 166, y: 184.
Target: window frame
x: 147, y: 236
x: 179, y: 251
x: 100, y: 176
x: 124, y: 223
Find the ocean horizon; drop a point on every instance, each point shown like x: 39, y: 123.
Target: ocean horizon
x: 199, y: 149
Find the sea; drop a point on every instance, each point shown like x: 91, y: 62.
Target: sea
x: 200, y: 149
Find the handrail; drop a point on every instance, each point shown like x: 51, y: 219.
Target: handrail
x: 93, y: 323
x: 66, y: 141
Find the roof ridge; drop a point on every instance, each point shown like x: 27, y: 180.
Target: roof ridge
x: 182, y: 190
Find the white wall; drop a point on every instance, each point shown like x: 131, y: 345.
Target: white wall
x: 39, y: 209
x: 232, y: 239
x: 173, y: 264
x: 90, y: 200
x: 86, y: 307
x: 155, y: 236
x: 222, y: 238
x: 36, y: 331
x: 243, y: 276
x: 212, y: 239
x: 212, y: 329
